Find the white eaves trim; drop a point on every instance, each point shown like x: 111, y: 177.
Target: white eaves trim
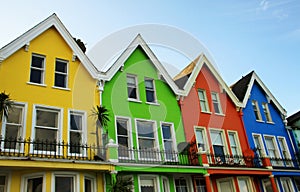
x: 265, y: 89
x: 200, y: 63
x: 119, y: 63
x: 28, y: 36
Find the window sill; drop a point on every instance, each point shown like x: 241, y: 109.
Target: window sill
x: 134, y: 100
x: 260, y: 121
x: 220, y: 114
x: 150, y: 103
x: 37, y: 84
x: 61, y: 88
x: 207, y: 112
x: 270, y: 122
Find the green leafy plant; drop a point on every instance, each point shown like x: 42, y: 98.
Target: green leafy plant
x: 5, y: 105
x: 122, y: 184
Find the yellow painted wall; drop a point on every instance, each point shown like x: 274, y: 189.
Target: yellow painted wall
x: 18, y: 175
x: 82, y: 94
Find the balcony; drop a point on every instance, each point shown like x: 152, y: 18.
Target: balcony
x: 235, y: 161
x: 154, y: 156
x: 28, y: 149
x: 284, y: 163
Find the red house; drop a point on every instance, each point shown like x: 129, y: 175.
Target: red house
x: 212, y: 117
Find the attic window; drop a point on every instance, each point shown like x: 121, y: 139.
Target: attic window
x: 132, y: 88
x: 61, y: 73
x: 37, y: 69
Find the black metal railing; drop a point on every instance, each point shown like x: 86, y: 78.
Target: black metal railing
x: 18, y: 147
x: 154, y: 156
x: 285, y: 163
x: 234, y: 161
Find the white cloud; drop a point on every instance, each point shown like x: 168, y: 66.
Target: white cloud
x: 264, y: 5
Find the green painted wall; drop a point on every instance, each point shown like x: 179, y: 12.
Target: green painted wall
x: 115, y: 98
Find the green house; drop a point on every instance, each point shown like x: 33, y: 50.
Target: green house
x: 146, y: 127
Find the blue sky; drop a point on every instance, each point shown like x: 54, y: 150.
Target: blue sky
x: 241, y: 36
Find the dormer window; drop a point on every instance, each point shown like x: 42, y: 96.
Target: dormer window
x: 267, y: 112
x: 132, y: 88
x: 150, y: 91
x: 256, y: 111
x: 37, y: 69
x: 216, y: 103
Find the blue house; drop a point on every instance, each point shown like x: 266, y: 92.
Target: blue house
x: 265, y: 123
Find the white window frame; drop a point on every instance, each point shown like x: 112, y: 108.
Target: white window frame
x: 249, y: 183
x: 59, y: 128
x: 264, y: 183
x: 225, y: 145
x: 83, y: 131
x: 289, y: 182
x: 173, y: 140
x: 75, y: 176
x: 228, y: 179
x: 40, y: 69
x: 267, y: 113
x: 154, y: 90
x: 156, y: 144
x: 165, y: 183
x: 205, y: 140
x: 129, y: 131
x: 7, y: 181
x: 188, y: 180
x: 199, y: 186
x: 286, y: 148
x: 25, y: 178
x: 256, y: 110
x: 22, y: 126
x: 235, y: 134
x: 135, y: 86
x: 66, y: 74
x: 204, y: 101
x: 148, y: 177
x: 276, y: 150
x: 93, y: 182
x: 217, y: 102
x: 263, y: 151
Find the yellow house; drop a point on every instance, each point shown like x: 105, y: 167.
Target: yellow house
x: 49, y: 142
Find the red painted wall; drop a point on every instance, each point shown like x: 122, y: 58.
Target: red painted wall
x: 192, y: 115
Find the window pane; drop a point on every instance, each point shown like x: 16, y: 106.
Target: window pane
x: 76, y: 122
x: 166, y: 131
x: 232, y: 139
x: 75, y: 138
x: 11, y: 132
x: 216, y: 138
x: 46, y: 118
x: 130, y: 80
x: 35, y: 184
x: 145, y: 129
x: 226, y: 186
x: 61, y: 67
x: 36, y: 76
x: 15, y: 115
x: 45, y: 134
x: 146, y: 143
x: 149, y: 84
x: 87, y: 185
x: 37, y: 62
x: 60, y: 80
x: 243, y: 185
x: 122, y: 127
x: 64, y: 184
x: 150, y: 96
x: 168, y: 146
x: 132, y: 93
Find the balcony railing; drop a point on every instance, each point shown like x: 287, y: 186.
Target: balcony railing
x: 28, y: 148
x: 154, y: 156
x: 234, y: 161
x: 284, y: 163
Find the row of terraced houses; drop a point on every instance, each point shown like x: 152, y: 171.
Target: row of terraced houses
x: 189, y: 133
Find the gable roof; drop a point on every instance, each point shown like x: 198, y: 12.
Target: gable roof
x: 243, y: 87
x: 51, y: 21
x: 293, y: 118
x: 119, y: 63
x: 190, y: 73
